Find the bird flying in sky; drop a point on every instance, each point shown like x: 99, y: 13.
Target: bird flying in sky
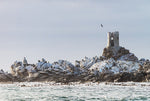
x: 101, y: 25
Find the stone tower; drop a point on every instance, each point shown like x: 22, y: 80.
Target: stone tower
x: 113, y: 41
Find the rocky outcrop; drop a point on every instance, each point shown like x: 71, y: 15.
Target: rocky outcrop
x: 122, y: 54
x: 112, y: 66
x: 42, y: 69
x: 97, y: 69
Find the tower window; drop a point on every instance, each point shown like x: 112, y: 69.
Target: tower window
x: 112, y: 38
x: 112, y: 41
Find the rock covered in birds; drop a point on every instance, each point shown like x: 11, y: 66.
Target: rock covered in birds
x: 87, y: 62
x: 64, y: 66
x: 18, y: 69
x: 115, y: 66
x: 123, y: 66
x: 144, y: 65
x: 42, y: 65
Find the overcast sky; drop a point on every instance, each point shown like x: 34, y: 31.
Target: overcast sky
x: 70, y: 29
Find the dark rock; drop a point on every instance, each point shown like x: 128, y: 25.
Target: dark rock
x: 121, y: 54
x: 6, y: 77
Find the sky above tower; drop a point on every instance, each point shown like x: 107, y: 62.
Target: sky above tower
x: 70, y: 29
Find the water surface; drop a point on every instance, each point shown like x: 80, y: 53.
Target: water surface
x: 79, y: 92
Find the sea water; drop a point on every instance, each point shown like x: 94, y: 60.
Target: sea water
x: 75, y: 92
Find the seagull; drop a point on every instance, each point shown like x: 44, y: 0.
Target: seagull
x: 101, y: 25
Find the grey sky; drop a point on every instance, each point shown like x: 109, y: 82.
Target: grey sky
x: 70, y: 29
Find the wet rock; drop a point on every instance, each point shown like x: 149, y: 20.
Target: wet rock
x: 127, y: 77
x: 6, y: 77
x: 148, y: 77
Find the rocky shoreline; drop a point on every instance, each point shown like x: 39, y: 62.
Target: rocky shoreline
x: 104, y: 77
x: 121, y: 67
